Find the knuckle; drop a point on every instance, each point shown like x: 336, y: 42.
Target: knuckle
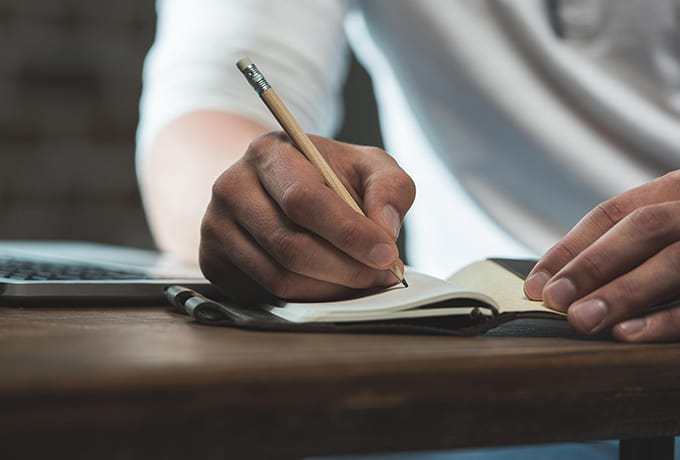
x: 225, y: 186
x: 608, y: 213
x: 372, y: 151
x: 627, y: 291
x: 378, y: 156
x: 594, y: 264
x: 266, y: 140
x: 561, y: 253
x: 672, y: 177
x: 295, y: 199
x: 409, y: 187
x: 220, y: 187
x: 395, y: 185
x: 403, y: 182
x: 289, y: 249
x: 260, y: 147
x: 651, y: 220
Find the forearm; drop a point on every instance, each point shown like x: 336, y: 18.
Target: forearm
x: 185, y: 159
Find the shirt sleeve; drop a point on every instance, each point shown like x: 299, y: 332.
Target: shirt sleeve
x: 300, y: 46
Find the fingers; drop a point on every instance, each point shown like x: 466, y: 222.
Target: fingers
x: 245, y: 257
x: 291, y: 247
x: 595, y: 224
x: 662, y: 326
x: 298, y: 189
x: 589, y: 229
x: 636, y: 238
x: 632, y: 294
x: 388, y: 192
x: 273, y: 220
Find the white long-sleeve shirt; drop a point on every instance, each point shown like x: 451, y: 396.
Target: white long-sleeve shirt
x: 513, y: 117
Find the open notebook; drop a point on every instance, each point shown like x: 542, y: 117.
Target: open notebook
x: 473, y: 300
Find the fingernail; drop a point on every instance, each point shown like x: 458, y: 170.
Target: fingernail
x: 632, y: 327
x: 589, y: 314
x: 392, y: 219
x: 533, y: 286
x: 382, y: 254
x: 559, y: 294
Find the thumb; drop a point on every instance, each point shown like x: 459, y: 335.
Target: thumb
x: 388, y: 193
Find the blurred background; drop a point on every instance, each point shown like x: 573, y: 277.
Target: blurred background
x: 70, y: 79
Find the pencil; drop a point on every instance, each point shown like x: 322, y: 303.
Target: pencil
x: 291, y: 126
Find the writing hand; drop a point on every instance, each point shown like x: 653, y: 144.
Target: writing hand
x: 272, y: 222
x: 620, y: 260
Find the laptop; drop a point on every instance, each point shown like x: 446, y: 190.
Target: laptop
x: 81, y: 273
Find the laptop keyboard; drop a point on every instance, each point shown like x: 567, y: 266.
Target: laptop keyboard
x: 41, y: 270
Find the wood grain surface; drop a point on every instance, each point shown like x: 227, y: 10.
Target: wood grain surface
x: 125, y: 383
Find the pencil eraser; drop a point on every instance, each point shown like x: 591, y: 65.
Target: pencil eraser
x: 243, y: 63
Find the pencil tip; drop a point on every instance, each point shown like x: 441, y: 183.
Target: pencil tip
x: 403, y: 281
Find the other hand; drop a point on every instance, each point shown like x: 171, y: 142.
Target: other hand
x: 272, y: 222
x: 619, y: 261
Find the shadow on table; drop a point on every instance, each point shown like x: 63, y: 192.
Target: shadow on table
x: 542, y: 328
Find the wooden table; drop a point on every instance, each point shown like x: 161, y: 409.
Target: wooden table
x: 146, y: 383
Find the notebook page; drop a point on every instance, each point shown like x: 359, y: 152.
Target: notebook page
x: 506, y: 288
x: 423, y: 290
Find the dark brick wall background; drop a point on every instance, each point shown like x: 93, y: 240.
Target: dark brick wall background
x: 69, y: 86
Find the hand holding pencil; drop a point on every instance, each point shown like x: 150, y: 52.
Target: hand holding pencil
x: 277, y: 220
x: 302, y: 141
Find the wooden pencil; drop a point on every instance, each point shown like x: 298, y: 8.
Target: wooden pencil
x: 291, y: 126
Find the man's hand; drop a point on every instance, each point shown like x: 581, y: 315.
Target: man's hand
x: 618, y: 262
x: 272, y: 222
